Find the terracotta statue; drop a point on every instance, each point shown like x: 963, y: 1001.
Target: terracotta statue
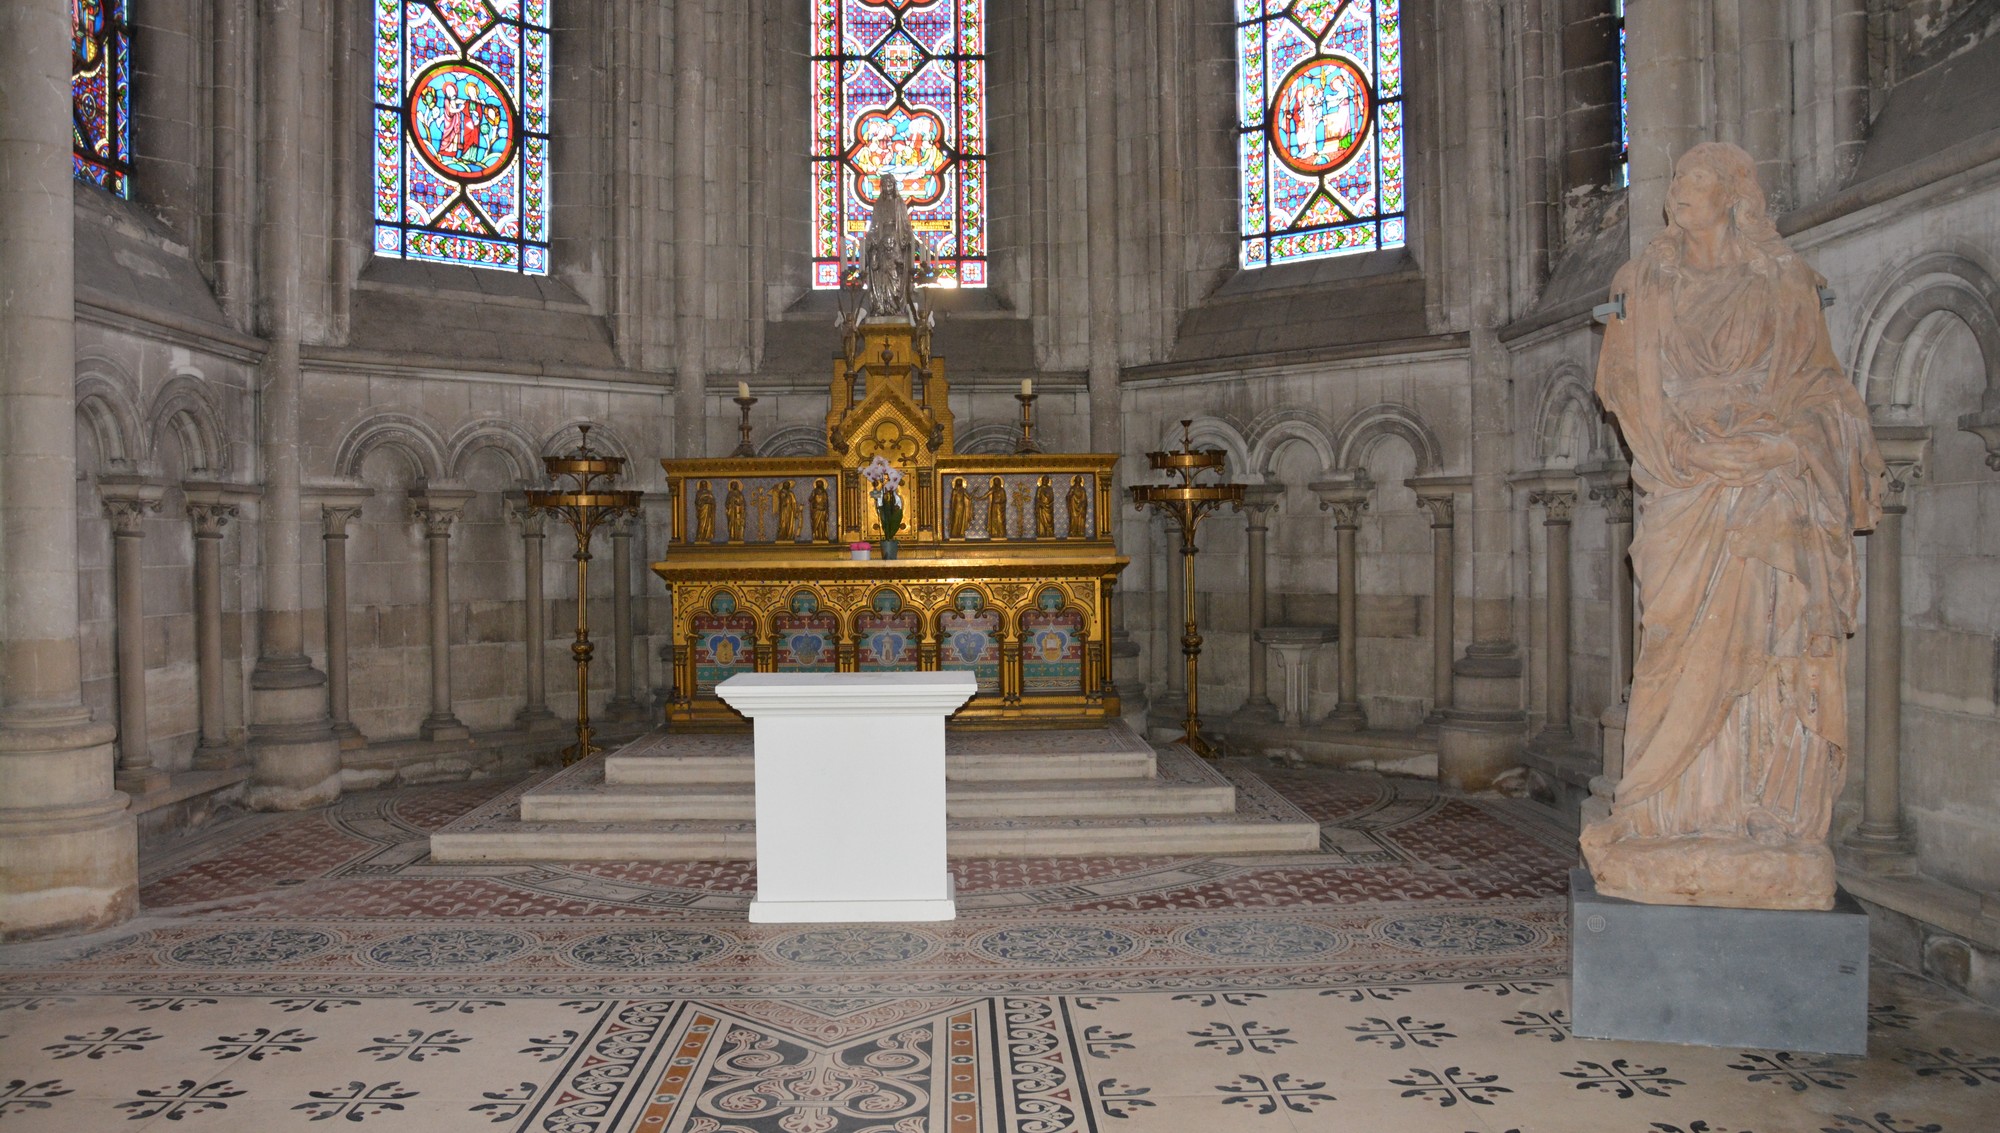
x: 1077, y: 500
x: 1045, y: 509
x: 788, y: 514
x: 819, y: 511
x: 961, y: 507
x: 1756, y: 464
x: 733, y: 509
x: 996, y: 509
x: 704, y: 514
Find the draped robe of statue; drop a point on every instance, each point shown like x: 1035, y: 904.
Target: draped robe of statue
x: 1755, y: 464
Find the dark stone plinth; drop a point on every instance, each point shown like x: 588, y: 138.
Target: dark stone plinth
x: 1774, y: 978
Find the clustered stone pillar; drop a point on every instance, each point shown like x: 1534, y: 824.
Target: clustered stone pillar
x: 623, y: 705
x: 335, y: 515
x: 690, y: 184
x: 1347, y: 498
x: 437, y: 511
x: 1558, y: 505
x: 1881, y: 830
x: 128, y: 504
x: 69, y: 856
x: 1438, y: 495
x: 534, y: 714
x: 1258, y: 502
x: 208, y: 515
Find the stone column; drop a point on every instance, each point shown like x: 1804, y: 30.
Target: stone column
x: 623, y: 705
x: 690, y: 47
x: 295, y: 755
x: 1258, y: 502
x: 336, y: 512
x: 534, y: 714
x: 1438, y: 495
x: 69, y: 852
x: 1175, y: 701
x: 1347, y: 498
x: 209, y: 514
x: 1667, y: 86
x: 1558, y: 505
x: 1881, y: 831
x: 437, y: 511
x: 1100, y: 157
x: 1611, y: 485
x: 127, y: 502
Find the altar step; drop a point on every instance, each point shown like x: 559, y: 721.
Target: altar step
x: 1102, y: 791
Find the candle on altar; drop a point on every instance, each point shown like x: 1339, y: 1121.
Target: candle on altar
x: 1027, y: 387
x: 743, y: 390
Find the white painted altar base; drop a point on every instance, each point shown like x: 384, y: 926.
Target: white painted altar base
x: 850, y: 793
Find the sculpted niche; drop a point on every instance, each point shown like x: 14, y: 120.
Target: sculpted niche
x: 1755, y: 465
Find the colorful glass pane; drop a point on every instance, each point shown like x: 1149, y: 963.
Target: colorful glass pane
x: 461, y: 132
x: 1320, y: 128
x: 1623, y: 174
x: 100, y: 85
x: 899, y: 87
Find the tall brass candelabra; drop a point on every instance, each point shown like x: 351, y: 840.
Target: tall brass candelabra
x: 584, y: 503
x: 1187, y: 501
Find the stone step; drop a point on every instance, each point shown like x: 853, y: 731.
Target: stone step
x: 1114, y: 752
x: 992, y: 799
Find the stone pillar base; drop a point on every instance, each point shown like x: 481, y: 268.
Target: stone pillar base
x: 294, y: 755
x: 446, y: 727
x: 215, y: 758
x: 349, y: 737
x: 538, y: 720
x: 142, y: 781
x: 1476, y: 748
x: 625, y: 711
x: 69, y: 846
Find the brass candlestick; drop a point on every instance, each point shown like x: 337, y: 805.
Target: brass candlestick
x: 744, y: 447
x: 1027, y: 444
x: 584, y: 503
x: 1187, y: 502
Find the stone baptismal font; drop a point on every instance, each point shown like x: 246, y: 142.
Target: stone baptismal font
x: 1755, y: 464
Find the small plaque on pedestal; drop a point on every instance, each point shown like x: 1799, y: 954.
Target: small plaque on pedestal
x: 1775, y: 978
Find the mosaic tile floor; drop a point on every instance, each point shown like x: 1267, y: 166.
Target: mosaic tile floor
x: 297, y: 969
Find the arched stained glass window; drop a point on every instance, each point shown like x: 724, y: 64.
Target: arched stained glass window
x: 899, y: 87
x: 1320, y: 121
x: 100, y: 84
x: 462, y: 132
x: 1624, y: 170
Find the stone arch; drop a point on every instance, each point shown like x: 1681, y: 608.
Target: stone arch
x: 1214, y: 432
x: 1902, y: 320
x: 795, y: 440
x: 412, y: 436
x: 511, y: 441
x: 184, y: 407
x: 990, y: 439
x: 603, y: 439
x: 1568, y: 407
x: 102, y: 408
x: 1280, y: 426
x: 1371, y: 425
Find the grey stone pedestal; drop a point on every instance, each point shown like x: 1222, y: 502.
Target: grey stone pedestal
x: 1773, y: 978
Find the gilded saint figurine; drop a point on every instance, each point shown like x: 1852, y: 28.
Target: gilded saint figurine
x: 1755, y: 465
x: 818, y: 501
x: 996, y: 509
x: 733, y: 508
x: 1045, y: 509
x: 1077, y: 500
x: 788, y: 513
x: 704, y: 513
x: 961, y: 507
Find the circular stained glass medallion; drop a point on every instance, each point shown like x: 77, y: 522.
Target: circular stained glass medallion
x: 1321, y: 115
x: 463, y: 121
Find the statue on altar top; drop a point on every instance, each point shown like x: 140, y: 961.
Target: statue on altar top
x: 895, y: 263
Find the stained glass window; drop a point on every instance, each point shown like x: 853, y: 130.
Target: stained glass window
x: 1624, y: 170
x: 899, y: 87
x: 462, y: 132
x: 100, y: 84
x: 1320, y: 128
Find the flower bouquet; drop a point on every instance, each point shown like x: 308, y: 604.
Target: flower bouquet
x: 885, y: 482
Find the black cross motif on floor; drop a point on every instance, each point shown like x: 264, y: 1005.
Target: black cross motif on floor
x: 462, y: 1006
x: 1453, y: 1084
x: 176, y: 1101
x: 1883, y: 1123
x: 1622, y: 1079
x: 1889, y: 1017
x: 316, y: 1006
x: 1401, y: 1033
x: 415, y: 1045
x: 1948, y: 1063
x: 1099, y: 1043
x: 551, y: 1048
x: 1530, y: 987
x: 1798, y: 1072
x: 1364, y: 994
x: 356, y: 1101
x: 259, y: 1044
x: 32, y: 1002
x: 1119, y: 1100
x: 1254, y: 1036
x: 1692, y: 1127
x: 20, y: 1094
x: 96, y: 1045
x: 1299, y: 1097
x: 503, y: 1104
x: 1553, y: 1026
x: 1093, y: 1002
x: 1208, y: 999
x: 169, y: 1004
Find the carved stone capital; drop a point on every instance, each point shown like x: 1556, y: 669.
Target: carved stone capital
x: 1985, y: 426
x: 1559, y: 502
x: 1443, y: 508
x: 1345, y: 496
x: 1906, y: 452
x: 210, y: 517
x: 533, y: 521
x: 1258, y: 501
x: 437, y: 508
x: 1439, y: 496
x: 334, y: 518
x: 128, y: 512
x: 1610, y: 484
x: 622, y: 523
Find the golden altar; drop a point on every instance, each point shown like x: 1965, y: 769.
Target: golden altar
x: 1005, y: 564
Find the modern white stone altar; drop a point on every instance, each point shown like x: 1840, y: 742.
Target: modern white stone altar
x: 850, y: 793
